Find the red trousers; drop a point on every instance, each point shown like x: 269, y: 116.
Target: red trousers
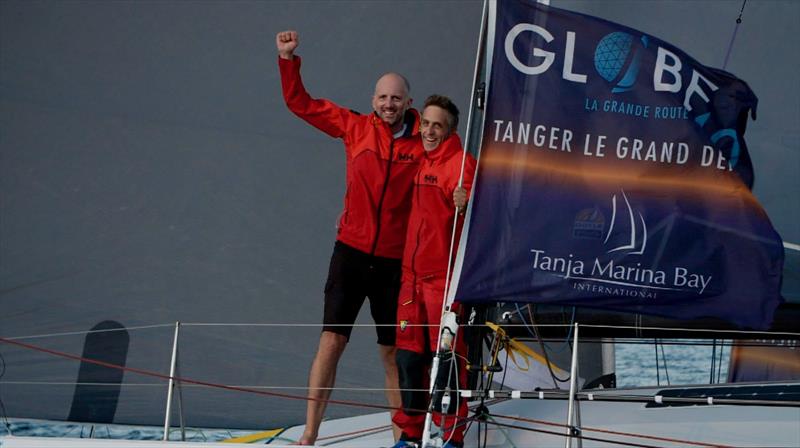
x: 419, y: 315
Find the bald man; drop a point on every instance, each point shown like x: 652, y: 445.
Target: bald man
x: 383, y: 153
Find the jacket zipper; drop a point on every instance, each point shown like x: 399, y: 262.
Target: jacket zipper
x: 380, y: 201
x: 416, y: 246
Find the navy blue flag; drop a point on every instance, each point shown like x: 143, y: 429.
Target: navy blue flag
x: 613, y: 173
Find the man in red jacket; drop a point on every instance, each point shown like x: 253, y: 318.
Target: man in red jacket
x: 439, y: 192
x: 383, y: 154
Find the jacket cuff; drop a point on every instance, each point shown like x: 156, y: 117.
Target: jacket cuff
x: 289, y: 63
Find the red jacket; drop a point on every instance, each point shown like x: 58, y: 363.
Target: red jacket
x: 430, y: 225
x: 380, y: 169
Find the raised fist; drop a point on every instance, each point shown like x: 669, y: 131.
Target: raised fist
x: 287, y: 41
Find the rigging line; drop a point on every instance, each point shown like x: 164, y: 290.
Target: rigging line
x: 733, y: 37
x: 468, y: 424
x: 699, y: 343
x: 610, y: 431
x: 522, y: 318
x: 553, y: 375
x: 454, y: 374
x: 505, y: 433
x: 510, y: 325
x: 485, y: 433
x: 357, y: 434
x: 291, y: 324
x: 192, y: 381
x: 698, y: 330
x: 541, y: 344
x: 658, y: 367
x: 473, y: 105
x: 719, y: 364
x: 713, y: 361
x: 247, y: 386
x: 483, y: 384
x: 671, y: 342
x: 505, y: 371
x: 445, y: 427
x: 576, y: 436
x: 73, y: 333
x: 567, y: 343
x: 664, y: 360
x: 567, y: 340
x: 693, y: 399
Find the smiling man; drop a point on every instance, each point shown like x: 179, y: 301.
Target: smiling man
x: 383, y: 153
x: 438, y: 196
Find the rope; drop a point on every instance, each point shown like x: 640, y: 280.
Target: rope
x: 223, y: 324
x: 489, y: 419
x: 188, y: 380
x: 207, y: 324
x: 259, y: 390
x: 539, y: 339
x: 73, y: 333
x: 246, y: 386
x: 357, y: 434
x: 733, y: 37
x: 696, y: 330
x: 658, y: 368
x: 736, y: 333
x: 577, y: 436
x: 610, y: 432
x: 661, y: 400
x: 341, y: 402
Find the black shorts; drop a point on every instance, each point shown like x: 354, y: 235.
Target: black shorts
x: 354, y: 276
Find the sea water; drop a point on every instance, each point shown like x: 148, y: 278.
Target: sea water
x: 44, y: 428
x: 671, y: 362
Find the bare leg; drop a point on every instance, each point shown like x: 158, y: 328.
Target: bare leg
x: 391, y: 382
x: 320, y: 381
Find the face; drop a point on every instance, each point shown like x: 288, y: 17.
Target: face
x: 391, y: 100
x: 434, y: 127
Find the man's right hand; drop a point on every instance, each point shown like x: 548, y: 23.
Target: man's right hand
x: 287, y: 41
x: 460, y: 199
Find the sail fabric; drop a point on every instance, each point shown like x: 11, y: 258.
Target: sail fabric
x: 613, y: 173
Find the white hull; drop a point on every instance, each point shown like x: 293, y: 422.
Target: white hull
x: 755, y: 426
x: 670, y: 426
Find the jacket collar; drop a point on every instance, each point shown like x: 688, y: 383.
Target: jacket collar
x: 410, y: 119
x: 451, y: 145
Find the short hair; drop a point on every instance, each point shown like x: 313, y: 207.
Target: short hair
x: 446, y: 104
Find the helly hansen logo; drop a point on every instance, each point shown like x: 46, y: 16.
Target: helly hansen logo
x: 431, y: 179
x: 405, y: 157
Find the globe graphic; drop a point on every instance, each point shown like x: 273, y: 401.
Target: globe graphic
x: 611, y: 53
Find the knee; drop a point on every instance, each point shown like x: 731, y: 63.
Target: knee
x: 332, y: 343
x: 388, y: 355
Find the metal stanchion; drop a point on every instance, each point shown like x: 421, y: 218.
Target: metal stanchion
x: 573, y: 377
x: 172, y: 367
